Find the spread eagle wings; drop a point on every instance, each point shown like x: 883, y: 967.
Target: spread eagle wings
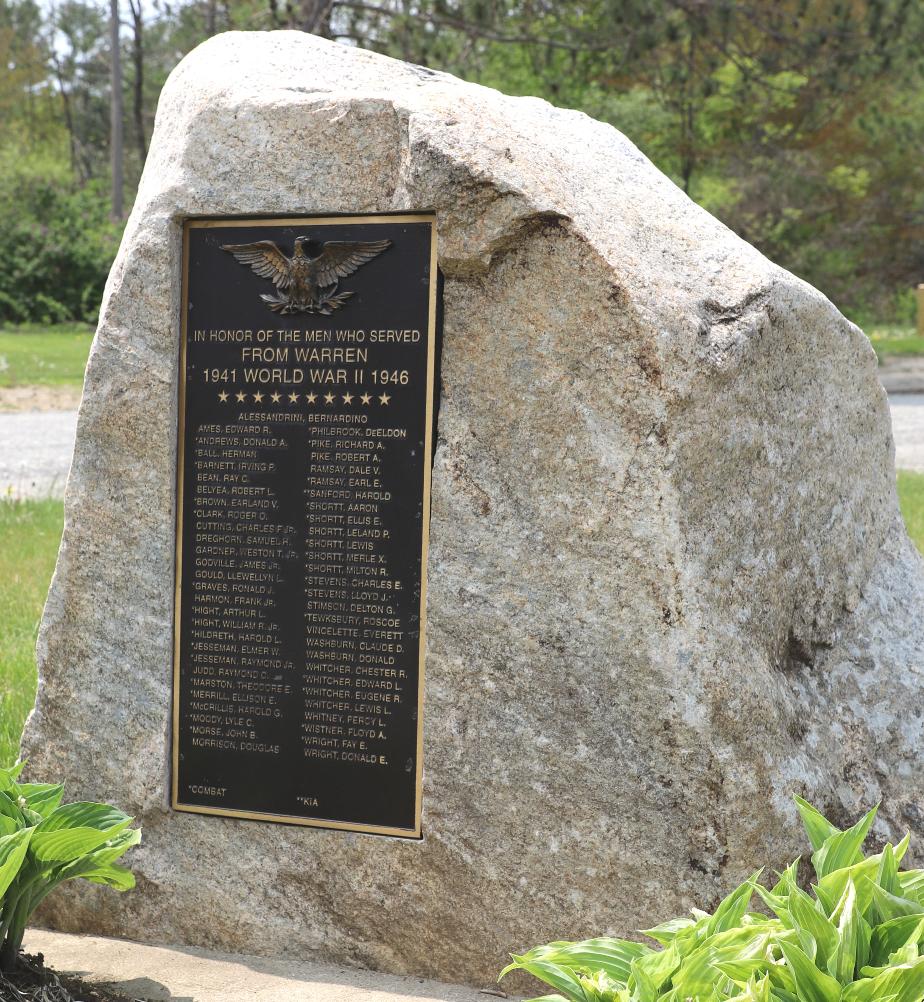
x: 266, y: 259
x: 339, y: 258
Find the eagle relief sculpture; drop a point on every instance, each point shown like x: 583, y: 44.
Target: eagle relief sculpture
x: 306, y: 284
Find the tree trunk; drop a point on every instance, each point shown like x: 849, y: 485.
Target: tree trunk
x: 76, y: 165
x: 138, y: 89
x: 314, y: 16
x: 687, y: 113
x: 115, y: 112
x: 65, y: 99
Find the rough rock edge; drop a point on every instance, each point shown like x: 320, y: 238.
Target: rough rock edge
x: 500, y: 212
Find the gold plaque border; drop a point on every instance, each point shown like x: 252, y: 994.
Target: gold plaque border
x: 204, y: 223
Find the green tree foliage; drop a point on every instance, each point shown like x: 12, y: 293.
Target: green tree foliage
x: 58, y: 241
x: 797, y: 122
x: 78, y: 57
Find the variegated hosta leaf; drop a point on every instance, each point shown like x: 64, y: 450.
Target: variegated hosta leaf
x: 601, y: 988
x: 903, y: 983
x: 613, y: 956
x: 556, y: 975
x: 812, y: 985
x: 911, y: 883
x: 808, y: 920
x: 853, y: 938
x: 844, y: 848
x: 830, y: 889
x: 731, y: 909
x: 887, y: 906
x: 887, y: 875
x: 667, y: 931
x: 889, y: 937
x: 651, y: 972
x: 859, y: 938
x: 818, y: 828
x: 753, y: 991
x: 700, y: 971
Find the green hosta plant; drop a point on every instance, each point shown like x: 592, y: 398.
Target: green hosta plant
x: 858, y: 937
x: 43, y: 843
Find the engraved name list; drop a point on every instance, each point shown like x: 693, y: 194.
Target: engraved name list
x: 306, y: 410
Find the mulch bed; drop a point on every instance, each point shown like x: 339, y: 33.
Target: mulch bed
x: 32, y: 981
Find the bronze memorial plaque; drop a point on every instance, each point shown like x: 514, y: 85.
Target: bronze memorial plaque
x: 305, y: 424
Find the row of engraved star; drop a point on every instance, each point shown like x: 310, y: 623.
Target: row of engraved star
x: 328, y: 398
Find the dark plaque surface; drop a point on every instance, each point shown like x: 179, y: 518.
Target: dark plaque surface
x: 306, y: 403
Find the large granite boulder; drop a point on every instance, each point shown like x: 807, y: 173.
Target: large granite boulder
x: 669, y: 583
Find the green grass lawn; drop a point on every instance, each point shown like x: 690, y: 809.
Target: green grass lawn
x: 29, y: 536
x: 911, y: 498
x: 895, y: 340
x: 31, y: 355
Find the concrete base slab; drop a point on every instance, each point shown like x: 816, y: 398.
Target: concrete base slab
x: 185, y: 975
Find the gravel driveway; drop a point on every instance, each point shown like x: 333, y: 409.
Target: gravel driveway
x: 908, y: 428
x: 35, y: 452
